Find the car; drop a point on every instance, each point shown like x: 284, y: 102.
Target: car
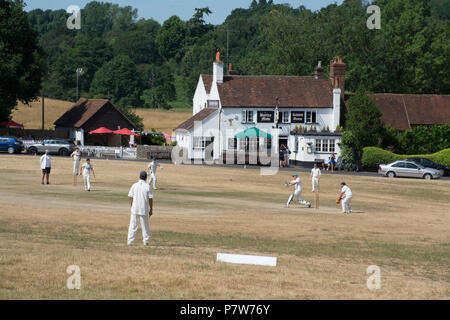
x: 427, y: 163
x: 11, y: 144
x: 61, y: 147
x: 408, y: 169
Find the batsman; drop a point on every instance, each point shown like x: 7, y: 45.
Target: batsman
x: 297, y: 191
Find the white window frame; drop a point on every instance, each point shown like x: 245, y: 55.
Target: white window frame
x: 318, y: 145
x: 246, y: 116
x: 309, y: 119
x: 285, y: 117
x: 332, y: 145
x: 232, y: 143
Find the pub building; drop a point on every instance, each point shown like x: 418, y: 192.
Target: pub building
x: 233, y: 113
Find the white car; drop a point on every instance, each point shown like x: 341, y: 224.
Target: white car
x: 402, y: 168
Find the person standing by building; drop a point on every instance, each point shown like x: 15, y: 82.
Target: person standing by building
x: 141, y: 200
x: 152, y: 172
x: 315, y: 178
x: 46, y: 166
x: 76, y: 156
x: 87, y: 168
x: 346, y: 196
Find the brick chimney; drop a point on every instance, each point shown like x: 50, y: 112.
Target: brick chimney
x: 318, y: 71
x: 218, y: 69
x: 337, y: 74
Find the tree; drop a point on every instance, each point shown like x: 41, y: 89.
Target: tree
x: 160, y: 82
x: 363, y: 127
x: 118, y: 81
x: 170, y: 38
x: 21, y: 59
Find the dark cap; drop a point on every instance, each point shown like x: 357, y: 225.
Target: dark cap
x: 343, y: 183
x: 143, y: 175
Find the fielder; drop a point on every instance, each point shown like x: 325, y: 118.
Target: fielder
x: 297, y: 191
x: 346, y: 196
x: 141, y: 200
x: 76, y: 156
x: 46, y: 166
x: 315, y: 178
x: 87, y: 168
x: 152, y: 172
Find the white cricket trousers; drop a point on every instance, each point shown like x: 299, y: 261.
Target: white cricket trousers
x: 315, y: 184
x: 76, y: 167
x: 134, y: 222
x: 297, y: 194
x: 152, y: 179
x: 346, y: 207
x: 87, y: 182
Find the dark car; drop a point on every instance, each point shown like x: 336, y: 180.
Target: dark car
x: 11, y: 144
x: 427, y: 163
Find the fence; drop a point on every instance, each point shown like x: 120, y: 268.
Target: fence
x: 108, y: 152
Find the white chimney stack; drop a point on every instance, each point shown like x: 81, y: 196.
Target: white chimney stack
x: 218, y: 69
x: 336, y: 108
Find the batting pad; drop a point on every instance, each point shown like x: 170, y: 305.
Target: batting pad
x: 247, y: 259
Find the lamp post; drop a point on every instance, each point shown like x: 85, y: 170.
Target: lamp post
x: 80, y: 72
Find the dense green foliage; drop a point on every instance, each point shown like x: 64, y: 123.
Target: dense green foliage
x: 424, y: 139
x: 373, y: 156
x: 21, y: 59
x: 363, y: 127
x: 410, y: 54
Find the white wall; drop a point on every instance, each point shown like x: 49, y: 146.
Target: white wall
x: 200, y: 97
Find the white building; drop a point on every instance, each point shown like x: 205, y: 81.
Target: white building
x: 233, y: 113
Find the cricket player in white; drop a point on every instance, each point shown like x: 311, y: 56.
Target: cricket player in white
x: 87, y: 168
x: 76, y: 156
x: 141, y: 200
x: 46, y: 165
x: 297, y: 191
x: 152, y: 172
x: 315, y: 178
x: 346, y: 196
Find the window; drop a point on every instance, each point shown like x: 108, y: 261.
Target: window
x: 324, y: 145
x: 242, y: 144
x: 310, y: 117
x: 285, y: 117
x: 213, y: 104
x: 247, y: 116
x: 411, y: 166
x: 199, y: 143
x: 318, y: 145
x: 399, y: 165
x: 332, y: 146
x: 232, y: 143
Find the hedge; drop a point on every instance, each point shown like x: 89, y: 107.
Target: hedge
x: 372, y: 157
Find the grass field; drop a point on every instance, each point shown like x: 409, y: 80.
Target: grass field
x: 400, y: 225
x: 160, y: 120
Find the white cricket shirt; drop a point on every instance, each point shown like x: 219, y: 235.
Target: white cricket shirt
x: 46, y: 161
x: 140, y: 192
x: 298, y: 186
x: 76, y: 155
x: 87, y: 169
x: 315, y: 173
x: 346, y: 190
x: 153, y: 166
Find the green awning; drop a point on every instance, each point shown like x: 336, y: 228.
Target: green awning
x: 253, y: 133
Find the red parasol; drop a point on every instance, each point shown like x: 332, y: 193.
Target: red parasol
x: 102, y: 130
x: 11, y: 124
x: 126, y: 132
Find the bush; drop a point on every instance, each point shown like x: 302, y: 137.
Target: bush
x: 372, y: 157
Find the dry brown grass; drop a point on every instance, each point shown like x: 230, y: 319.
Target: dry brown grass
x: 163, y: 121
x: 401, y: 225
x: 31, y: 116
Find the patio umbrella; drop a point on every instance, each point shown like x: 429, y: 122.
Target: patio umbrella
x: 102, y: 130
x: 253, y: 133
x: 167, y: 136
x: 126, y: 132
x: 11, y: 124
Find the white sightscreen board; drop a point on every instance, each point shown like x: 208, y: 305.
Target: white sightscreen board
x: 247, y: 259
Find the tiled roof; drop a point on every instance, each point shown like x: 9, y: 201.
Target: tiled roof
x: 200, y: 116
x: 82, y: 111
x: 401, y: 111
x: 262, y: 91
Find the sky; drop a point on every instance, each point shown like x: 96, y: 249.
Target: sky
x: 161, y: 10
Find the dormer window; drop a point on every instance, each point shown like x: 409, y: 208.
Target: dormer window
x: 213, y: 104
